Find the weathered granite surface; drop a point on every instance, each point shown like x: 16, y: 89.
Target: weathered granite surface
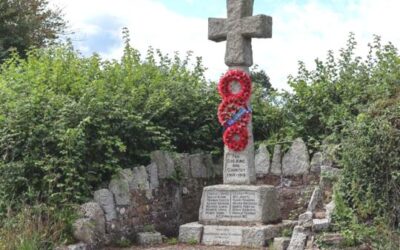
x: 299, y: 238
x: 297, y: 160
x: 249, y: 236
x: 191, y: 232
x: 237, y: 30
x: 276, y: 165
x: 239, y: 204
x: 262, y: 161
x: 149, y: 238
x: 106, y: 201
x: 281, y: 243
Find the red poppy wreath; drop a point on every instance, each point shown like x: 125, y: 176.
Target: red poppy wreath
x: 225, y: 88
x: 236, y: 137
x: 229, y: 107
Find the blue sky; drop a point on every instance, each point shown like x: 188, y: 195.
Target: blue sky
x: 302, y: 29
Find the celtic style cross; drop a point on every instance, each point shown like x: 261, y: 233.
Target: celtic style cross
x: 238, y: 29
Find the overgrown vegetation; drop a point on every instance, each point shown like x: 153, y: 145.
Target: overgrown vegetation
x: 355, y: 104
x: 68, y: 123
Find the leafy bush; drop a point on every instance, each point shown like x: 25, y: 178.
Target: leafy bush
x: 330, y: 97
x: 68, y: 123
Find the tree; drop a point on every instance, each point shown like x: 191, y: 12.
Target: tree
x: 26, y: 23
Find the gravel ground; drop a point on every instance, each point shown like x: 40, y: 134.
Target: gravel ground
x: 187, y: 247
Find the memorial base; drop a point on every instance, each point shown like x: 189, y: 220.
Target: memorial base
x: 239, y: 205
x: 247, y: 236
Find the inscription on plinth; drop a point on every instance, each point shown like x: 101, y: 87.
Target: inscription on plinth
x: 231, y: 204
x: 237, y: 205
x: 222, y: 235
x: 236, y: 169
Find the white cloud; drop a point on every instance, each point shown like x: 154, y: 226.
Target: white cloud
x: 300, y: 31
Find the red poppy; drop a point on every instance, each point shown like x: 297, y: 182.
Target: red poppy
x: 229, y: 107
x: 225, y: 88
x: 236, y: 137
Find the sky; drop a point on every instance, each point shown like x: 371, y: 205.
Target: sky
x: 303, y: 30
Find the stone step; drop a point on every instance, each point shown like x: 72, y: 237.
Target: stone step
x: 248, y: 236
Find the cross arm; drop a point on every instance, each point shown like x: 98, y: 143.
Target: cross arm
x: 217, y: 30
x: 259, y: 26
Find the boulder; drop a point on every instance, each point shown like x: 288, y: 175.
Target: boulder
x: 276, y: 165
x: 164, y: 162
x: 106, y: 201
x: 296, y: 161
x: 299, y: 238
x: 262, y: 161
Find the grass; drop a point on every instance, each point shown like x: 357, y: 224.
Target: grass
x: 36, y: 227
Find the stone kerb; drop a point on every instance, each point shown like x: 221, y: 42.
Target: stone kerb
x: 239, y: 205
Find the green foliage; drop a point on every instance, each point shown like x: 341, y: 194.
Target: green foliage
x: 68, y: 123
x: 149, y: 228
x: 193, y: 242
x: 26, y: 23
x: 172, y: 241
x: 330, y: 97
x: 123, y: 243
x: 37, y: 227
x: 371, y: 162
x: 354, y: 103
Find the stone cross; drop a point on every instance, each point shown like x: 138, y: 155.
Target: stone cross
x: 238, y: 29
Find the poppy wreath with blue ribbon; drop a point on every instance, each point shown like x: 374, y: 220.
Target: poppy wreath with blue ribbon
x: 229, y: 107
x: 236, y: 137
x: 233, y: 113
x: 239, y: 76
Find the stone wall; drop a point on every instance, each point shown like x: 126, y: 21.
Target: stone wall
x: 292, y: 173
x: 167, y: 193
x: 160, y: 196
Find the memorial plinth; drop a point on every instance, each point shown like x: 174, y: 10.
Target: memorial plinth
x: 239, y: 205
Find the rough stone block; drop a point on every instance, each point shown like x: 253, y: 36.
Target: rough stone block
x: 320, y: 224
x: 197, y: 167
x: 299, y: 238
x: 254, y: 236
x: 140, y: 179
x: 306, y: 220
x: 281, y: 243
x: 182, y: 161
x: 93, y: 211
x: 164, y: 162
x: 316, y: 163
x: 276, y: 165
x: 84, y: 230
x: 249, y: 236
x: 120, y: 189
x: 262, y: 161
x: 316, y: 199
x: 190, y: 232
x: 297, y: 160
x: 329, y: 210
x: 106, y: 201
x: 239, y: 205
x: 149, y: 238
x: 153, y: 175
